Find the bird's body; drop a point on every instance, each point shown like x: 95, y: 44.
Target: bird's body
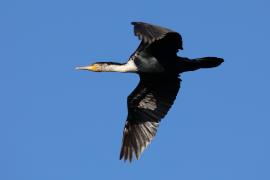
x: 157, y: 63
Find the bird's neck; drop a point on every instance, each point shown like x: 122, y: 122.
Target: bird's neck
x: 115, y: 67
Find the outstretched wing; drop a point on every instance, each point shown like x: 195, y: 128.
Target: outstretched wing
x: 157, y: 42
x: 147, y: 105
x: 149, y: 33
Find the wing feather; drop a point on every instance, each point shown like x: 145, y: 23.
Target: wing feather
x: 150, y: 33
x: 147, y: 105
x: 158, y: 47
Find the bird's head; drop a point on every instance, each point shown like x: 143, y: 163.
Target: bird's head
x: 101, y: 67
x: 96, y: 67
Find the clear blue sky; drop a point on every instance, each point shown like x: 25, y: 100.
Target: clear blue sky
x: 58, y: 123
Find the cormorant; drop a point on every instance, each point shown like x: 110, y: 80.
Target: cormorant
x: 158, y: 66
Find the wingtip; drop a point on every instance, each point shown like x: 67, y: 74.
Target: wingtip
x: 221, y: 59
x: 125, y: 159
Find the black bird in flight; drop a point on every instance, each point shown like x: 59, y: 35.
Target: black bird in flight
x: 157, y: 64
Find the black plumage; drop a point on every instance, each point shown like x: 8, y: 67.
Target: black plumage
x: 157, y: 63
x: 147, y: 105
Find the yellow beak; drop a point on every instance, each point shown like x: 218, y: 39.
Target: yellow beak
x: 89, y: 68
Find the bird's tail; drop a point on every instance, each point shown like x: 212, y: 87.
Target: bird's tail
x: 208, y: 62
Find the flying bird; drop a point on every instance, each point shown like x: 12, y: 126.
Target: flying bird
x: 158, y: 66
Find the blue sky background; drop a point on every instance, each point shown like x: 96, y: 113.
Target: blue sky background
x: 58, y: 123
